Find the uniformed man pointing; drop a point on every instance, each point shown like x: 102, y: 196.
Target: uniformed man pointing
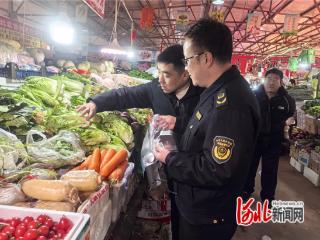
x: 216, y: 149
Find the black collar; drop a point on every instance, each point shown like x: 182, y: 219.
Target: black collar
x: 227, y: 76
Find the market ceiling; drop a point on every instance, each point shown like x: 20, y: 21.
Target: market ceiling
x: 269, y: 38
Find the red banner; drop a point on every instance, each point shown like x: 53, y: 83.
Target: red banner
x: 97, y: 6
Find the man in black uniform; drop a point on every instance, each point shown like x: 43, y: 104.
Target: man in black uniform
x: 276, y: 107
x: 217, y: 147
x: 172, y: 94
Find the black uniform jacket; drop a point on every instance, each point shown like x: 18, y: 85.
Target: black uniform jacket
x: 150, y: 95
x: 274, y: 113
x: 217, y: 149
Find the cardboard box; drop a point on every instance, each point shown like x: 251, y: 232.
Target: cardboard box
x: 304, y: 157
x: 312, y: 176
x: 297, y: 165
x: 310, y: 124
x: 80, y: 221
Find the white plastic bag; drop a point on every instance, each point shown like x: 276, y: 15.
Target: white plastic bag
x: 11, y: 149
x: 150, y: 165
x: 53, y: 151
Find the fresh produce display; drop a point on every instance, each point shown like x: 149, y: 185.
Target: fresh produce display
x: 141, y: 74
x: 44, y: 143
x: 83, y: 180
x: 50, y: 190
x: 312, y: 107
x: 30, y: 228
x: 300, y: 92
x: 10, y: 194
x: 57, y: 206
x: 109, y: 163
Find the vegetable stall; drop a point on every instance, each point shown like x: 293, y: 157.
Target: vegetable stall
x: 52, y: 159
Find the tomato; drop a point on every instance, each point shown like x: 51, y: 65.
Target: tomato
x: 51, y: 233
x: 64, y: 223
x: 14, y: 222
x: 34, y: 225
x: 61, y: 233
x: 22, y: 225
x: 42, y: 218
x: 41, y: 238
x: 49, y: 223
x: 43, y: 230
x: 9, y: 230
x: 20, y: 231
x: 31, y: 234
x: 27, y: 220
x: 3, y: 236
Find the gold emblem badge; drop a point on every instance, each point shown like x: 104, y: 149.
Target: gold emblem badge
x: 198, y: 115
x: 222, y: 149
x: 221, y: 98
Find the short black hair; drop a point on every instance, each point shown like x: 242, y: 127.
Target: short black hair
x: 275, y: 71
x: 210, y: 35
x: 174, y: 55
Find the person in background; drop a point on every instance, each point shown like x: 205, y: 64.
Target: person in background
x: 171, y: 94
x: 276, y: 107
x: 216, y: 148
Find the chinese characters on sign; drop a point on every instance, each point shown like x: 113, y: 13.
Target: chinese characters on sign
x: 24, y: 34
x: 281, y: 212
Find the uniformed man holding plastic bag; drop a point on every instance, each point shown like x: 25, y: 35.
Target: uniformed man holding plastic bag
x: 217, y: 146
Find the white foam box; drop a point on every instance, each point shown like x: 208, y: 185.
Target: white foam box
x: 98, y: 206
x: 102, y: 222
x: 312, y: 176
x: 297, y: 165
x: 130, y: 188
x: 304, y: 157
x: 118, y: 193
x: 80, y: 221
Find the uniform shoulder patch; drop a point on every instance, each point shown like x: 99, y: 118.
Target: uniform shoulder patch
x: 221, y: 98
x: 222, y: 149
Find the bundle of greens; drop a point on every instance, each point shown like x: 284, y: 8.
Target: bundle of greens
x: 114, y: 124
x: 15, y: 117
x: 140, y: 74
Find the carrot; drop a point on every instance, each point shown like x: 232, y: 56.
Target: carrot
x: 114, y: 162
x: 118, y: 173
x: 84, y: 165
x: 95, y: 161
x: 103, y: 153
x: 110, y: 153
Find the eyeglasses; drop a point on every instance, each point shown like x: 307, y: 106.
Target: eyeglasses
x: 186, y: 60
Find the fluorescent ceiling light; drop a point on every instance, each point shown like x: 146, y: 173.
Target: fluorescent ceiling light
x: 62, y: 32
x: 217, y: 2
x: 116, y: 49
x: 113, y: 51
